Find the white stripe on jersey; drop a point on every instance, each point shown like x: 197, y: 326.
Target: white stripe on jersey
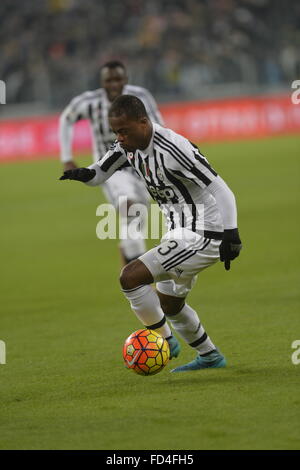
x: 94, y: 106
x: 177, y: 176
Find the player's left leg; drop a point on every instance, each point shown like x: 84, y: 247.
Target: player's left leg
x: 186, y: 322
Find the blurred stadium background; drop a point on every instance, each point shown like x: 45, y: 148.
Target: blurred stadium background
x: 221, y: 71
x: 179, y: 49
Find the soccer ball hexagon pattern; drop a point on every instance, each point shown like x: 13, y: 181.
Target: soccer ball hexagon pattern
x: 146, y: 352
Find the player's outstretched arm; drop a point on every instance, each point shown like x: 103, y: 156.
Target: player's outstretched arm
x: 79, y: 174
x: 76, y: 110
x: 65, y: 140
x: 71, y: 165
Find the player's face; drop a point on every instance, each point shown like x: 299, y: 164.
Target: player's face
x: 113, y: 81
x: 131, y: 134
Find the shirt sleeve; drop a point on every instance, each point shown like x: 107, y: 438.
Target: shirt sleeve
x: 193, y: 166
x: 225, y: 201
x: 79, y: 108
x: 115, y: 159
x: 189, y: 163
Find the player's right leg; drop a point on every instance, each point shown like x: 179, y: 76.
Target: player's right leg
x: 135, y: 280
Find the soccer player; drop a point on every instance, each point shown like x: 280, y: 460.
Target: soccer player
x: 183, y: 183
x: 94, y: 106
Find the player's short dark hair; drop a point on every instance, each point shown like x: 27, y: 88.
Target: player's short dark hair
x: 113, y: 64
x: 129, y: 105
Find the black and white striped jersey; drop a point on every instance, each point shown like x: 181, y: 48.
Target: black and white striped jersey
x: 94, y: 106
x: 187, y: 189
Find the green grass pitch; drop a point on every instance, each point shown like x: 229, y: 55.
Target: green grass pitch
x: 64, y: 319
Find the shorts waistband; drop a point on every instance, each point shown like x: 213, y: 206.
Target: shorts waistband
x: 213, y: 235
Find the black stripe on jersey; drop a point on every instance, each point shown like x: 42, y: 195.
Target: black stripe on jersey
x: 100, y: 118
x: 176, y: 149
x: 201, y: 176
x: 195, y: 171
x: 156, y: 166
x: 182, y: 175
x: 182, y: 219
x: 168, y: 149
x: 86, y: 97
x: 188, y: 162
x: 90, y: 111
x: 202, y: 159
x: 172, y: 151
x: 125, y: 165
x: 180, y: 260
x: 183, y: 190
x: 203, y: 162
x: 110, y: 161
x: 142, y: 169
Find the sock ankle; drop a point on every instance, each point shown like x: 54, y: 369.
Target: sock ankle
x: 188, y: 325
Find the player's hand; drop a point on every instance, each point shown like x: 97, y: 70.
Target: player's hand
x: 230, y: 247
x: 79, y: 174
x: 70, y: 165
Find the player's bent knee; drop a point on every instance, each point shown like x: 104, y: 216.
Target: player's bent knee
x: 170, y: 305
x: 135, y: 274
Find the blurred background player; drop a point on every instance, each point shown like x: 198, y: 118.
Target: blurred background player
x: 94, y: 106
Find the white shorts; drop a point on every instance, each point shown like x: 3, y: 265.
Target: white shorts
x: 125, y: 183
x: 175, y: 263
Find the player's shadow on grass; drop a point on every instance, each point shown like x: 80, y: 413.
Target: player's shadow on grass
x: 234, y: 375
